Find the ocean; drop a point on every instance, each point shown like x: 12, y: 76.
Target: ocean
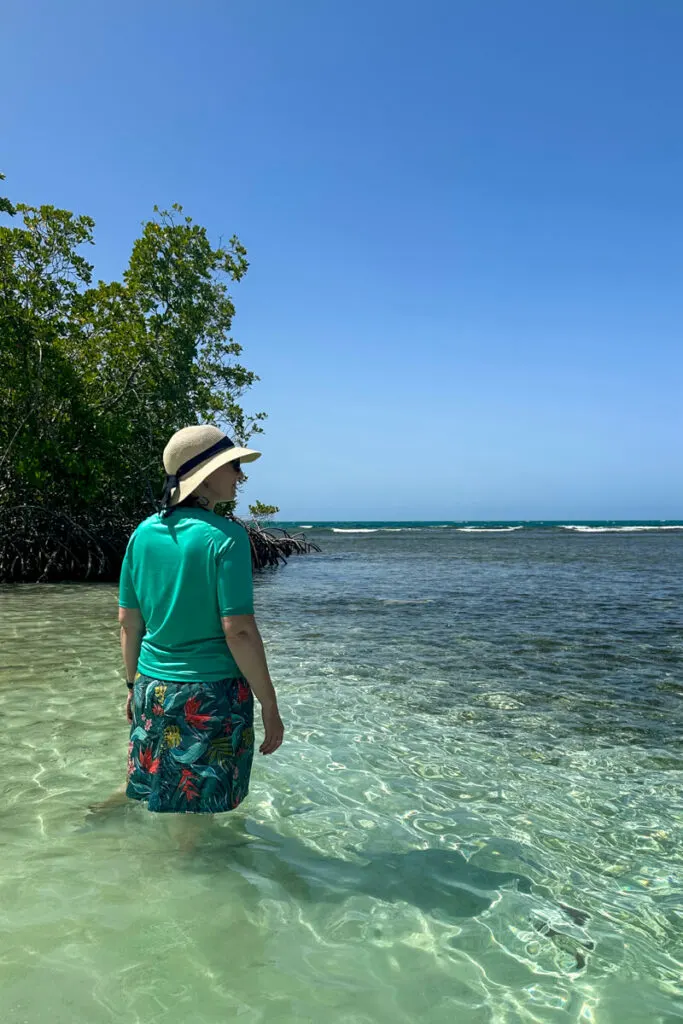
x: 475, y: 817
x: 492, y: 526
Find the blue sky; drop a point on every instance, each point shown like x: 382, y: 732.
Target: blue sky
x: 464, y: 223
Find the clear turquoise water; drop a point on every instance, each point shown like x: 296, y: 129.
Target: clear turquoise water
x: 476, y: 816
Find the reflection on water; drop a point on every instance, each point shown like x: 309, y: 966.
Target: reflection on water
x: 476, y: 816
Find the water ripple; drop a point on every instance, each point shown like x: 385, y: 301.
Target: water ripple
x: 476, y: 815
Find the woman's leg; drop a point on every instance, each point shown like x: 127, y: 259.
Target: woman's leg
x: 116, y: 799
x: 186, y: 830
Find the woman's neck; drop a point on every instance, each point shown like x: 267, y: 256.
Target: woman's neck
x: 195, y: 501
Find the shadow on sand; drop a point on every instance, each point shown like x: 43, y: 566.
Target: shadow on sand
x: 436, y: 881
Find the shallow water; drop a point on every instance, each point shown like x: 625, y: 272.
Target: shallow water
x: 476, y: 816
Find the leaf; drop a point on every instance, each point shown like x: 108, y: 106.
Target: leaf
x: 220, y: 750
x: 189, y: 755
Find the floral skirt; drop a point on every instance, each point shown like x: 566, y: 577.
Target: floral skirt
x: 191, y: 745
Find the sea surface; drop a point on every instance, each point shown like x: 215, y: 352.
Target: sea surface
x: 476, y: 815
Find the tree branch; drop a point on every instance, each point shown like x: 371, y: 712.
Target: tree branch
x: 16, y: 435
x: 111, y: 402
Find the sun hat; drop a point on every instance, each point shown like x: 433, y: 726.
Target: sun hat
x: 192, y: 454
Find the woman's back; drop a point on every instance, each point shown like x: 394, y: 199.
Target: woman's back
x: 184, y: 572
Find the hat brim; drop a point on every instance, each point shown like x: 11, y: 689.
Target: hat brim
x: 195, y: 478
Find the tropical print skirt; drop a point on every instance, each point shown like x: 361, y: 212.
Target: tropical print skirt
x: 191, y: 745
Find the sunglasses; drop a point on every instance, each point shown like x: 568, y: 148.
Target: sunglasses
x: 235, y: 463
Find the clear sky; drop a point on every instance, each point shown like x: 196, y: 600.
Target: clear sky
x: 463, y: 217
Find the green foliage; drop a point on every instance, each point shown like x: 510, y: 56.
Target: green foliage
x: 43, y: 413
x: 5, y: 205
x: 94, y: 378
x: 259, y: 511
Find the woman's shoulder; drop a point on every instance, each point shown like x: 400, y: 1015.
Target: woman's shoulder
x: 228, y: 529
x: 220, y: 527
x: 144, y: 526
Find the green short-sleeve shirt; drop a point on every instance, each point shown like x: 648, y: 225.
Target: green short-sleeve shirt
x: 184, y: 572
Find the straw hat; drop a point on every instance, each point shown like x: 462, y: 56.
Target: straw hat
x: 192, y: 454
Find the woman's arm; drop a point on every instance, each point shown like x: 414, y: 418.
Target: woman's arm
x: 132, y: 632
x: 246, y: 646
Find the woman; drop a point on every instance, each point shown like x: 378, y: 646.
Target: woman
x: 191, y: 647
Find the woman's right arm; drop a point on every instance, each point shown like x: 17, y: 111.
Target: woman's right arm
x: 246, y: 646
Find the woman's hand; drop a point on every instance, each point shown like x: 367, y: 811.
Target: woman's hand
x: 129, y: 706
x: 275, y: 730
